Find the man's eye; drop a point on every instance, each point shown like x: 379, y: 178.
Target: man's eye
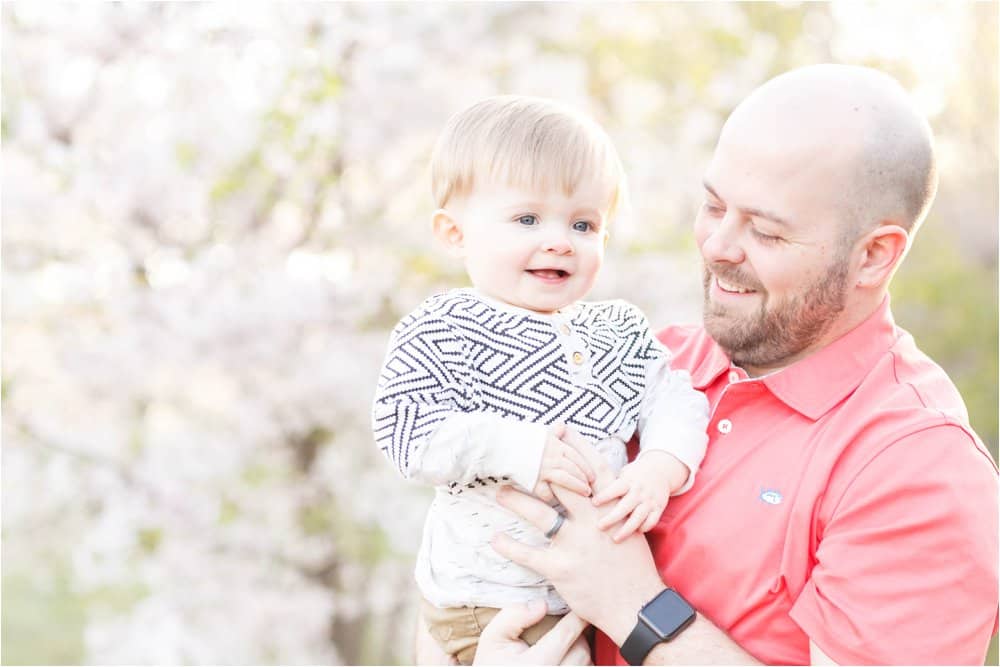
x: 527, y: 220
x: 713, y: 209
x: 765, y: 238
x: 582, y: 226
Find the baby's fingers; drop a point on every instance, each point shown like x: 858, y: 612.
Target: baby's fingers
x: 544, y: 492
x: 650, y: 522
x: 577, y: 460
x: 636, y: 519
x: 624, y: 507
x: 571, y: 482
x: 615, y: 489
x: 571, y: 468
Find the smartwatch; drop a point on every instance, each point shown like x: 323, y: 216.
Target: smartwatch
x: 660, y: 620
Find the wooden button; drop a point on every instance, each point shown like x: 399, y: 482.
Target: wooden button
x: 577, y: 358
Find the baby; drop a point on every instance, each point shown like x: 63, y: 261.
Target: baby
x: 479, y: 384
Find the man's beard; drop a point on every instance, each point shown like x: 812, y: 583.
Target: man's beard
x: 771, y: 336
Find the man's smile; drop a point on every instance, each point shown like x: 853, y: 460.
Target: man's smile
x: 731, y: 288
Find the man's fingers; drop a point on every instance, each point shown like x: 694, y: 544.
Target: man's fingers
x: 512, y: 620
x: 616, y: 489
x: 563, y: 634
x: 624, y: 507
x: 426, y: 649
x: 579, y: 654
x: 533, y: 510
x: 511, y: 549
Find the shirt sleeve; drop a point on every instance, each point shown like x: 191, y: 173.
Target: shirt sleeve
x: 425, y: 418
x: 673, y: 415
x: 480, y: 444
x: 906, y: 566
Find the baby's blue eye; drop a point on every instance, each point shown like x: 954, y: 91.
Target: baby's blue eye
x: 527, y: 220
x: 582, y: 226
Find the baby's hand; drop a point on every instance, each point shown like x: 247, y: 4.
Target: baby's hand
x: 562, y: 465
x: 644, y: 487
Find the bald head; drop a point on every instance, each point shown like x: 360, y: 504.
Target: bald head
x: 857, y: 124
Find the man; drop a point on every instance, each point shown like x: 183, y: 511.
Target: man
x: 845, y: 511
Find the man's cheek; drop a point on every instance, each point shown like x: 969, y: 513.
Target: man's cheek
x: 700, y: 234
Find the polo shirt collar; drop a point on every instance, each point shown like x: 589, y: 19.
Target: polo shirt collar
x: 814, y: 385
x: 712, y: 361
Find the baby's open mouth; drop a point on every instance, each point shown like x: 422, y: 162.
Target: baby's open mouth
x: 549, y: 274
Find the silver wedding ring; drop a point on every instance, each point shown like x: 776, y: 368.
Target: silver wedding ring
x: 556, y: 525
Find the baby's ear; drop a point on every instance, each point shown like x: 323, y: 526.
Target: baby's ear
x: 448, y: 232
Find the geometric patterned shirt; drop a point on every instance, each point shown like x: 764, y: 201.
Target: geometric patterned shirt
x: 465, y: 395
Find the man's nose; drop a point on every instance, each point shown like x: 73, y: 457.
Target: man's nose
x: 722, y: 243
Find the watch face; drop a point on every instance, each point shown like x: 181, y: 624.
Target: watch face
x: 667, y: 614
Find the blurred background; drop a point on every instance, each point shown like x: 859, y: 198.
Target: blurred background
x: 214, y: 214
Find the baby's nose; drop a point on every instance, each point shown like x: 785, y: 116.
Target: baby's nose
x: 558, y: 244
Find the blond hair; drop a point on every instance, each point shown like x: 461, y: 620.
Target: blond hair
x: 524, y: 142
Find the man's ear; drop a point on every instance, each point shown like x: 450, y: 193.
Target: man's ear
x: 884, y: 248
x: 448, y: 232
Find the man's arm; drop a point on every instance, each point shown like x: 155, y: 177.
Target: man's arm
x: 604, y: 582
x: 607, y: 583
x: 927, y: 495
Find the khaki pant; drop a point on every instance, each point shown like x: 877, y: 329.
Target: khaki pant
x: 457, y: 629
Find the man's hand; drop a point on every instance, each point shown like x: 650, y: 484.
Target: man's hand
x: 500, y: 643
x: 643, y: 487
x: 604, y: 582
x: 562, y: 464
x: 426, y: 650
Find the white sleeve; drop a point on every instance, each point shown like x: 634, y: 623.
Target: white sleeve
x: 480, y: 444
x: 673, y: 416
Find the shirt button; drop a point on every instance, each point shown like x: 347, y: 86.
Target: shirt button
x: 724, y: 426
x: 734, y: 376
x: 564, y: 329
x: 577, y: 358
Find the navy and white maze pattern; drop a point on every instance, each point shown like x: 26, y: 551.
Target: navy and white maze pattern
x: 457, y: 353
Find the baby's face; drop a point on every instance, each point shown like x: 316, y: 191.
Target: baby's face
x: 535, y: 249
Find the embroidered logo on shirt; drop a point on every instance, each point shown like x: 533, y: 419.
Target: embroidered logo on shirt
x: 771, y: 496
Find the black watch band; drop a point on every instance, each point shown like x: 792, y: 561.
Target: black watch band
x: 639, y: 643
x: 660, y: 620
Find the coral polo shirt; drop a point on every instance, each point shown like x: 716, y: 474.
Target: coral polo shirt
x: 844, y: 499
